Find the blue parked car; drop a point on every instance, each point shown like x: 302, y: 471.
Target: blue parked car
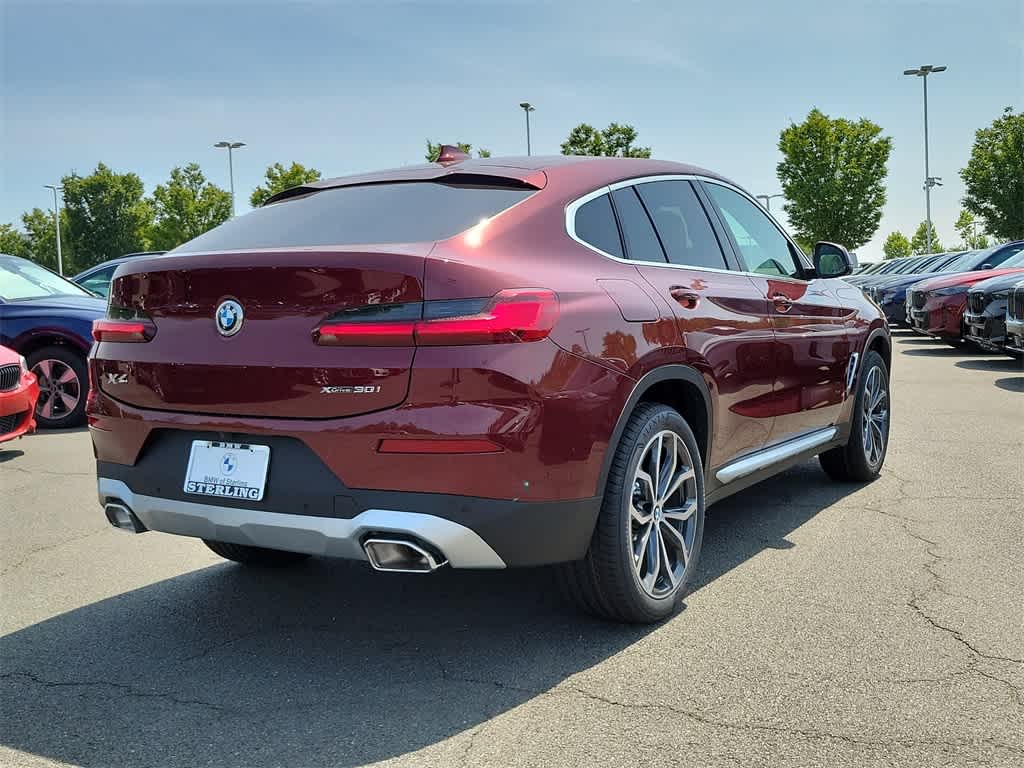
x: 97, y: 279
x: 48, y: 320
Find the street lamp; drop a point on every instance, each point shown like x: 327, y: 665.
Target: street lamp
x: 768, y: 200
x: 56, y: 223
x: 230, y: 145
x: 929, y: 181
x: 527, y: 108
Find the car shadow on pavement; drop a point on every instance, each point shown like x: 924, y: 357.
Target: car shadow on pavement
x: 9, y: 454
x: 328, y: 663
x: 940, y: 350
x: 1011, y: 383
x: 993, y: 364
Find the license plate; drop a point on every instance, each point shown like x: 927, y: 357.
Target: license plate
x: 227, y: 470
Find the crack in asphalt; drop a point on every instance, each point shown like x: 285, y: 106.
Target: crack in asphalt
x: 127, y: 690
x: 809, y: 734
x: 32, y: 552
x: 938, y: 583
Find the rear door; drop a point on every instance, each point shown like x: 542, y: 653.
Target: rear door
x: 721, y: 315
x: 813, y: 343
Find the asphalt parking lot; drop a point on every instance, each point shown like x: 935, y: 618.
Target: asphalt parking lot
x: 831, y: 625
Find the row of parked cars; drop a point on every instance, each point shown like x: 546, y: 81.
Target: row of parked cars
x: 963, y: 297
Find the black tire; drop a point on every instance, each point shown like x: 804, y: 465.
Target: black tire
x: 258, y: 556
x: 851, y: 462
x: 605, y: 582
x: 57, y: 391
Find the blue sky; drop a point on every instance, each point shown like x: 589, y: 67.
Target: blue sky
x: 352, y: 86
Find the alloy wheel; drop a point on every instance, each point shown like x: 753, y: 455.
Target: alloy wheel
x: 875, y: 415
x: 59, y: 389
x: 662, y: 514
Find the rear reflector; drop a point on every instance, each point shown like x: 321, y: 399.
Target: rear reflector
x: 517, y: 314
x: 419, y: 445
x: 123, y: 330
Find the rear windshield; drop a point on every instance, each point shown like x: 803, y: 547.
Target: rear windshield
x: 406, y: 212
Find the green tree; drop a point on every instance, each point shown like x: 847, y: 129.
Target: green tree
x: 832, y: 175
x: 896, y: 246
x: 919, y: 242
x: 994, y: 176
x: 42, y: 239
x: 614, y: 141
x: 969, y: 235
x: 14, y: 242
x: 107, y: 215
x: 434, y: 150
x: 278, y: 178
x: 185, y: 207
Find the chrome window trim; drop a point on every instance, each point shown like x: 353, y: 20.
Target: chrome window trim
x: 573, y: 206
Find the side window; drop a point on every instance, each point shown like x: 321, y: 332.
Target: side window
x: 99, y: 282
x: 595, y: 224
x: 998, y: 259
x: 763, y: 248
x: 641, y: 241
x: 682, y: 224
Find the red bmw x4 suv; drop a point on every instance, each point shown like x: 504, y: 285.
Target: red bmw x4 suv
x: 484, y: 363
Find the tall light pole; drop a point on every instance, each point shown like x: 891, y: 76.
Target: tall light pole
x: 929, y: 181
x: 527, y: 108
x: 56, y: 223
x: 768, y: 200
x: 230, y: 145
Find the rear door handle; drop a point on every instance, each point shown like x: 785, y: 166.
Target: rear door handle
x: 686, y: 298
x: 782, y: 303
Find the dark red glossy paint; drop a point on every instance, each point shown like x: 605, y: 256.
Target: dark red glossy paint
x: 551, y: 406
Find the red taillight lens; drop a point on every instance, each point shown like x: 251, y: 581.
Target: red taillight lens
x: 123, y: 324
x: 366, y: 334
x: 517, y: 314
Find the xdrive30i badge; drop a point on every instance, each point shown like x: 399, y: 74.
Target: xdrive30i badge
x: 365, y: 390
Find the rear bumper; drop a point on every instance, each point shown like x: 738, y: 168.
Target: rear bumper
x: 318, y: 515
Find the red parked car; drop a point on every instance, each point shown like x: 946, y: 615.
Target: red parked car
x: 19, y: 392
x: 936, y: 306
x: 484, y: 363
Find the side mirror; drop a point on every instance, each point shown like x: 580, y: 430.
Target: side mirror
x: 986, y: 265
x: 831, y: 260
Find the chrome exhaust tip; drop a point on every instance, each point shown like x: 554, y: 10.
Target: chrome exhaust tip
x: 122, y: 518
x: 400, y: 556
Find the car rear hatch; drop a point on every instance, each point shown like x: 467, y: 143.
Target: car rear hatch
x: 229, y: 322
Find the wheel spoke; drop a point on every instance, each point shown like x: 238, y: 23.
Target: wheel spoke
x: 46, y: 409
x: 646, y: 479
x: 653, y: 552
x: 68, y: 376
x: 641, y: 545
x: 682, y: 514
x: 656, y: 473
x: 666, y: 476
x: 69, y: 401
x: 677, y: 539
x: 869, y: 438
x: 682, y: 477
x: 44, y: 369
x: 878, y: 399
x: 663, y: 553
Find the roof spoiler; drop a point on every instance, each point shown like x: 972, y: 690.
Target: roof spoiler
x: 451, y: 154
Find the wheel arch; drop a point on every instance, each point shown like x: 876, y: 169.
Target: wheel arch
x: 48, y: 338
x: 878, y: 341
x: 681, y: 387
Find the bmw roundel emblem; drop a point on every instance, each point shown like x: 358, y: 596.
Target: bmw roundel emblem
x: 229, y: 317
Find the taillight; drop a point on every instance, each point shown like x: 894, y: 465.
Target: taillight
x: 513, y: 315
x: 124, y: 325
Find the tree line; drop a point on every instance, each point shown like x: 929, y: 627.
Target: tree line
x: 107, y: 214
x: 832, y: 174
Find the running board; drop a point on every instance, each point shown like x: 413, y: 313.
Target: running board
x: 765, y: 458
